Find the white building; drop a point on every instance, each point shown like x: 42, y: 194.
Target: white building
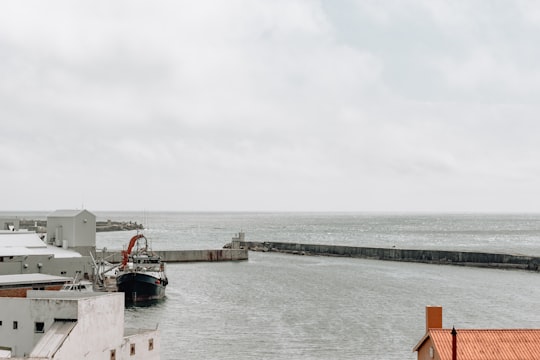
x: 73, y: 229
x: 71, y: 237
x: 23, y: 252
x: 71, y: 325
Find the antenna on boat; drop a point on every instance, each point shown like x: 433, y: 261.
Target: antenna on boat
x: 145, y: 220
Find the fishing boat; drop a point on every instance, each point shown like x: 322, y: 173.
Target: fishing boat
x: 141, y: 275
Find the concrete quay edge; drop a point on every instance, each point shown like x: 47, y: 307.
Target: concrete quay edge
x: 181, y: 256
x: 447, y: 257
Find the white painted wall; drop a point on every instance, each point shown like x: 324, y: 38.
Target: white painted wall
x: 141, y: 343
x: 99, y: 328
x: 26, y: 312
x: 46, y: 264
x: 79, y: 229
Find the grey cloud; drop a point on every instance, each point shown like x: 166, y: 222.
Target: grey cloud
x: 266, y: 105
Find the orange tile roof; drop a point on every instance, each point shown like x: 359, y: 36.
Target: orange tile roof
x: 487, y: 344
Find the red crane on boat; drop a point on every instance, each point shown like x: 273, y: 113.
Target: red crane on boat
x: 125, y: 253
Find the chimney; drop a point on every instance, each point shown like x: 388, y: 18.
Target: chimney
x: 433, y: 317
x: 454, y: 343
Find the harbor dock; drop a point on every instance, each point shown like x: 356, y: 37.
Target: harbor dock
x: 447, y: 257
x: 180, y: 256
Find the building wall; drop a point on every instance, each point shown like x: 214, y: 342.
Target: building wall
x: 85, y: 229
x: 78, y: 230
x: 98, y: 332
x: 424, y: 352
x: 103, y: 318
x: 81, y: 266
x: 141, y: 346
x: 21, y: 291
x: 99, y: 328
x: 46, y: 264
x: 26, y: 312
x: 10, y: 265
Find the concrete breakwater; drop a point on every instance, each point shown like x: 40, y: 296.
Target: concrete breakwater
x: 464, y: 258
x: 40, y: 226
x: 117, y: 226
x: 177, y: 256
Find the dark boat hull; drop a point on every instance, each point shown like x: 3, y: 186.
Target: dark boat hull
x: 140, y: 287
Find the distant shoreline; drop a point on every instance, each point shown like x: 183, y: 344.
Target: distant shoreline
x: 40, y: 226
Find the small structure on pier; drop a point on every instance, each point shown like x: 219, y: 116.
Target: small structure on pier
x: 237, y: 240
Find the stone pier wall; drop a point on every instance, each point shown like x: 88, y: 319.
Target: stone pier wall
x: 411, y: 255
x: 172, y: 256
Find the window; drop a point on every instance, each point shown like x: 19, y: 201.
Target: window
x: 113, y: 354
x: 150, y: 344
x: 15, y: 325
x: 39, y: 327
x: 132, y: 349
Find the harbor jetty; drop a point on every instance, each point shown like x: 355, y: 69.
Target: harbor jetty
x: 231, y: 252
x: 180, y: 256
x: 446, y: 257
x: 115, y: 256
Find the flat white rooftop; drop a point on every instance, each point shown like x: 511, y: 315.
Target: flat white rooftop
x: 23, y: 243
x: 48, y: 250
x: 21, y: 238
x: 22, y: 279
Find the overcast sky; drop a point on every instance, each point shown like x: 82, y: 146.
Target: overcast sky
x: 416, y: 105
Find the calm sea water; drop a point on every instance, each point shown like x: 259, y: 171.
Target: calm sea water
x: 278, y: 306
x: 516, y: 233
